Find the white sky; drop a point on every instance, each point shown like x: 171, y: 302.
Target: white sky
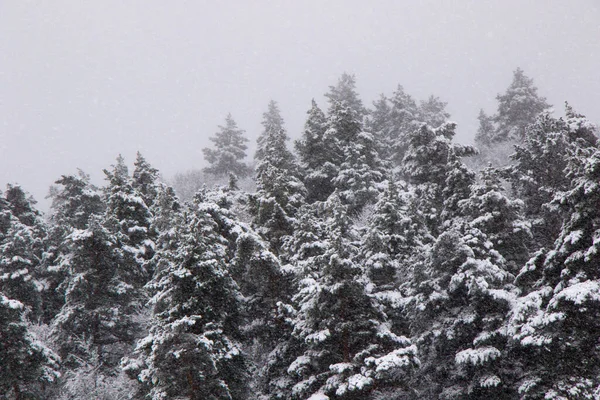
x: 82, y: 81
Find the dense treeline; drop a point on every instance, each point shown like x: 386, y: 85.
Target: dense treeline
x: 378, y: 260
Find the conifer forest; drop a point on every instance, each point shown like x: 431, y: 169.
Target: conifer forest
x: 373, y: 258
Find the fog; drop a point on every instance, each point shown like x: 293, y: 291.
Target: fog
x: 82, y: 81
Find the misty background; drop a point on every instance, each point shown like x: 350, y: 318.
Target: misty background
x: 82, y: 81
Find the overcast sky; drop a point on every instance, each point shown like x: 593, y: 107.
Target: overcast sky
x: 82, y: 81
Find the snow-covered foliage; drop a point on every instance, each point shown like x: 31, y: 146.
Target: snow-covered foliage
x: 228, y: 152
x: 373, y: 264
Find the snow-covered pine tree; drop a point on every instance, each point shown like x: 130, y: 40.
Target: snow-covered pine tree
x: 128, y: 218
x: 145, y: 179
x: 21, y: 250
x: 100, y: 299
x: 25, y: 363
x: 394, y: 234
x: 486, y: 130
x: 433, y: 112
x: 22, y: 206
x: 432, y: 164
x: 264, y: 285
x: 460, y: 295
x: 346, y: 348
x: 518, y: 107
x: 379, y: 123
x: 280, y: 192
x: 314, y: 156
x: 500, y: 218
x: 360, y: 173
x: 403, y: 115
x: 538, y: 169
x: 354, y: 155
x: 19, y: 260
x: 345, y: 92
x: 74, y: 200
x: 192, y: 348
x: 556, y: 323
x: 228, y: 152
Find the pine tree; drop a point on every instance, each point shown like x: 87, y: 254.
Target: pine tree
x: 230, y: 150
x: 395, y: 234
x: 354, y: 155
x: 145, y: 179
x: 433, y: 112
x: 74, y: 201
x: 18, y: 264
x: 21, y: 250
x: 359, y: 174
x: 128, y: 218
x: 264, y: 285
x: 99, y: 299
x: 22, y: 206
x: 556, y: 324
x: 192, y: 349
x: 379, y: 123
x: 539, y: 164
x: 404, y: 114
x: 518, y: 107
x: 500, y: 218
x: 344, y: 92
x: 314, y: 156
x: 346, y: 347
x: 280, y: 192
x: 459, y: 298
x: 24, y: 362
x: 486, y: 130
x: 432, y: 164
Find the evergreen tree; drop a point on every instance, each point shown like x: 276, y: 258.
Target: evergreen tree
x: 518, y: 107
x: 344, y: 92
x: 390, y: 122
x: 404, y: 114
x: 280, y: 192
x: 100, y: 299
x: 345, y: 345
x: 433, y: 112
x: 229, y: 151
x: 18, y: 264
x: 359, y: 174
x: 500, y: 218
x: 21, y: 250
x: 539, y: 164
x: 432, y: 164
x: 22, y: 205
x: 379, y: 124
x: 460, y: 295
x: 128, y: 218
x: 74, y: 201
x: 192, y: 349
x: 556, y: 324
x: 145, y: 179
x: 24, y: 362
x: 395, y: 233
x: 354, y: 155
x: 255, y: 270
x: 486, y: 130
x: 314, y: 156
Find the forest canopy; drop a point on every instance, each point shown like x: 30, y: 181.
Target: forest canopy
x: 373, y: 258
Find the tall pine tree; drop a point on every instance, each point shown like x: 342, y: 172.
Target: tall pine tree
x: 228, y: 152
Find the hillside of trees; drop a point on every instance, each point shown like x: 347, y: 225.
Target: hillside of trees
x: 374, y: 258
